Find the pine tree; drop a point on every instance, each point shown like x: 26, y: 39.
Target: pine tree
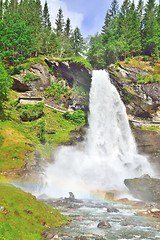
x: 113, y: 11
x: 67, y: 28
x: 1, y: 9
x: 77, y: 42
x: 134, y: 34
x: 106, y: 22
x: 59, y: 23
x: 151, y: 29
x: 5, y: 84
x: 46, y: 17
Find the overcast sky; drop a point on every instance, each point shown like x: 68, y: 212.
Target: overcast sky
x: 88, y: 15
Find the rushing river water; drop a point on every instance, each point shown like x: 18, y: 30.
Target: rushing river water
x: 125, y: 224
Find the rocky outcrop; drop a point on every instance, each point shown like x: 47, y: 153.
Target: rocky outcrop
x: 141, y: 100
x: 144, y: 188
x: 74, y: 73
x: 148, y: 143
x: 41, y: 75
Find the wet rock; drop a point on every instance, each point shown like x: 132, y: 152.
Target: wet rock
x: 104, y: 224
x: 89, y: 237
x: 112, y: 209
x: 144, y: 188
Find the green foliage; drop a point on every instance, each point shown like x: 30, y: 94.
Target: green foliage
x: 24, y: 217
x: 151, y: 128
x: 15, y: 41
x: 145, y: 58
x: 78, y: 44
x: 30, y: 112
x: 127, y: 60
x: 127, y: 32
x: 1, y: 139
x: 5, y: 84
x: 144, y: 79
x: 29, y: 77
x: 15, y: 70
x: 57, y: 91
x: 77, y: 116
x: 76, y: 59
x: 41, y: 131
x: 80, y: 91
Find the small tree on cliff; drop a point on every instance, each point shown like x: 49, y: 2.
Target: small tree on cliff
x: 5, y: 84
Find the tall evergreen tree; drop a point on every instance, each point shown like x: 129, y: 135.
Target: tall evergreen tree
x: 113, y: 11
x: 151, y: 40
x: 1, y: 9
x: 134, y: 34
x: 77, y: 42
x: 67, y: 28
x: 59, y: 23
x: 46, y: 17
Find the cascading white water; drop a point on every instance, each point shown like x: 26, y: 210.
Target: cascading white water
x: 107, y: 156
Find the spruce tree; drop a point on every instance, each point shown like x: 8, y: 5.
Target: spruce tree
x: 1, y: 9
x: 77, y: 42
x: 134, y: 34
x: 46, y: 17
x: 151, y: 29
x: 67, y: 28
x: 59, y: 23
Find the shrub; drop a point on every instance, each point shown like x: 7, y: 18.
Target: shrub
x: 146, y: 58
x: 15, y: 70
x: 57, y: 91
x: 144, y: 79
x: 77, y: 116
x: 41, y: 131
x: 127, y: 60
x: 29, y: 77
x: 30, y: 112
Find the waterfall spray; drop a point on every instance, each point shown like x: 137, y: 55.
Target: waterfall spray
x: 106, y: 157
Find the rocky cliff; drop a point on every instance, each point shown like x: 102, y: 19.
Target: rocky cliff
x: 33, y: 81
x: 142, y: 100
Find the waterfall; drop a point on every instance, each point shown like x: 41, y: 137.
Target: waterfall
x: 108, y: 154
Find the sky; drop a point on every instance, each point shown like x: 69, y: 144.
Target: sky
x: 88, y: 15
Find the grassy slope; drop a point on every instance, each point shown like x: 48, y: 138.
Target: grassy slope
x: 22, y: 217
x: 18, y: 139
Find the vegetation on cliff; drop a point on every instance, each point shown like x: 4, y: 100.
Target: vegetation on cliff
x: 23, y: 217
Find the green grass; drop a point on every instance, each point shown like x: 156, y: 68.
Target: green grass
x: 75, y: 59
x: 144, y: 79
x: 23, y: 217
x: 151, y: 128
x: 29, y: 77
x: 19, y: 139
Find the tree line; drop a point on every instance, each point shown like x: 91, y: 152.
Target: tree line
x: 127, y: 32
x: 26, y: 30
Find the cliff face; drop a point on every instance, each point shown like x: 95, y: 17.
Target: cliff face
x: 36, y: 78
x: 143, y: 106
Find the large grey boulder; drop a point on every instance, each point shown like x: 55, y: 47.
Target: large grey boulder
x: 144, y: 188
x: 43, y: 79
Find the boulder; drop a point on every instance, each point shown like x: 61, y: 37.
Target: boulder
x: 112, y: 209
x: 42, y: 80
x: 144, y: 188
x: 104, y: 224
